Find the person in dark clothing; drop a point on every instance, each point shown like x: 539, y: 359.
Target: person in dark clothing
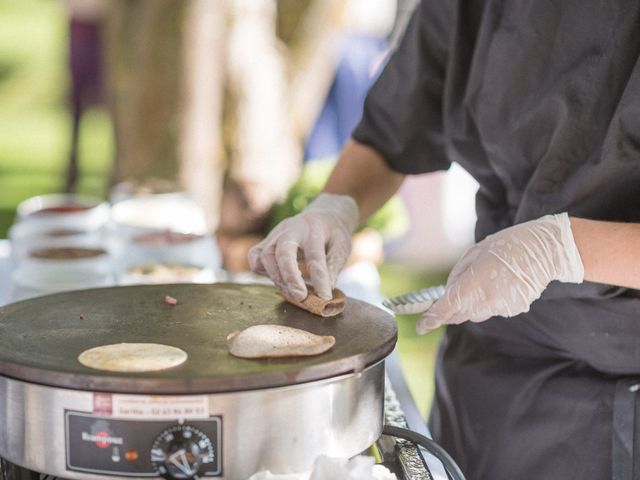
x: 540, y: 102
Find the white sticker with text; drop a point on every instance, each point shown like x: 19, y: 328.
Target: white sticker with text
x: 160, y: 406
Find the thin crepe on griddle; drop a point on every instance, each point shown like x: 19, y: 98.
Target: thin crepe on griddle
x: 132, y: 357
x: 320, y: 306
x: 272, y: 341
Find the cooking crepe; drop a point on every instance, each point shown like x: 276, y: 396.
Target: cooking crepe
x: 319, y: 306
x: 132, y: 357
x: 268, y: 341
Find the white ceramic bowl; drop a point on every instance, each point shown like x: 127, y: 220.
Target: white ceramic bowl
x: 27, y: 235
x: 167, y: 247
x: 38, y: 276
x: 59, y: 210
x: 166, y: 272
x: 172, y: 211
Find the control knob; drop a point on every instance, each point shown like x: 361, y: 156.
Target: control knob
x: 181, y: 452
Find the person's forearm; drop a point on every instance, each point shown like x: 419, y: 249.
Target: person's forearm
x: 363, y: 174
x: 610, y: 251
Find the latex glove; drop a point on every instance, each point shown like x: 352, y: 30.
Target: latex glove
x: 323, y: 232
x: 504, y: 273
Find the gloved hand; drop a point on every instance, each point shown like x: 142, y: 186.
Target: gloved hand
x: 323, y: 232
x: 504, y: 273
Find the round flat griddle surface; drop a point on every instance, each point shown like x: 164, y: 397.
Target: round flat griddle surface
x: 41, y: 338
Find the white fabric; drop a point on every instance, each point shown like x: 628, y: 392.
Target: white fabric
x: 327, y: 468
x: 322, y: 231
x: 5, y: 271
x: 504, y: 273
x: 358, y: 468
x: 267, y: 475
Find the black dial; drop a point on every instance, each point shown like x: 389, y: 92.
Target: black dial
x: 181, y: 452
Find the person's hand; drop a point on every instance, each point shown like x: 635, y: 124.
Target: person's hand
x: 322, y: 231
x: 504, y: 273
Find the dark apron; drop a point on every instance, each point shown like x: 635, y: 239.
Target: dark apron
x: 533, y: 415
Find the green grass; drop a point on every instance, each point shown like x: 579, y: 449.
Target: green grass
x: 417, y: 352
x: 35, y: 124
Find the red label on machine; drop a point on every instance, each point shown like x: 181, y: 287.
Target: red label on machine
x: 151, y: 406
x: 102, y: 404
x: 103, y: 440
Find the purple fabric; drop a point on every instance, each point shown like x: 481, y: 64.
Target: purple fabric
x: 85, y: 63
x: 343, y: 107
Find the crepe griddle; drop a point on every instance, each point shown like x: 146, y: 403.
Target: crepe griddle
x: 41, y: 338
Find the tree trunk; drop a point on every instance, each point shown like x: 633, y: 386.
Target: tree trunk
x: 265, y: 155
x: 200, y: 89
x: 143, y: 39
x: 164, y: 61
x: 202, y: 163
x: 314, y: 58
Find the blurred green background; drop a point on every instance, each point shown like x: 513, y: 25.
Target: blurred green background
x: 417, y: 353
x: 35, y: 135
x: 35, y: 125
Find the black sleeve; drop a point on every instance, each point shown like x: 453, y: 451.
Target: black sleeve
x: 402, y: 116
